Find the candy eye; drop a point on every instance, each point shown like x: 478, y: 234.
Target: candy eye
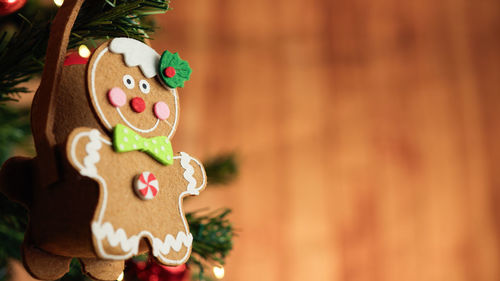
x: 128, y: 81
x: 144, y: 86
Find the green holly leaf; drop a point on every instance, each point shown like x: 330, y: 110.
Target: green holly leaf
x: 174, y: 71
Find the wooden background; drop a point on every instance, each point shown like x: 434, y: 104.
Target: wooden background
x: 367, y: 133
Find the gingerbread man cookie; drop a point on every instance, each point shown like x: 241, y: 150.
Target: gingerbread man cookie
x: 105, y: 184
x: 142, y: 183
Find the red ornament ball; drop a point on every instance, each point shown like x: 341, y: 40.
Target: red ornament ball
x: 169, y: 72
x: 151, y: 271
x: 8, y: 7
x: 75, y: 58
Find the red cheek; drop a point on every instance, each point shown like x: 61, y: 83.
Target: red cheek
x: 117, y: 97
x: 161, y: 110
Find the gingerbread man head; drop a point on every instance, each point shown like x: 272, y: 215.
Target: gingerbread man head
x: 140, y: 93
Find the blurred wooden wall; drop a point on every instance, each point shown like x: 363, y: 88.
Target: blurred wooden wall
x: 367, y: 133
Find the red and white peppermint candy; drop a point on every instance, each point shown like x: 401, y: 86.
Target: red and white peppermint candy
x: 146, y: 186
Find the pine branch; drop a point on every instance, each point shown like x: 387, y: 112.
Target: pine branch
x: 212, y: 239
x: 22, y: 56
x: 75, y: 272
x: 14, y: 129
x: 221, y: 169
x: 13, y: 222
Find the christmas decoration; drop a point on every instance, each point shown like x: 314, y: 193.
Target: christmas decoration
x: 39, y: 248
x: 75, y: 58
x: 111, y: 163
x: 58, y: 2
x: 146, y: 186
x: 8, y: 7
x: 173, y: 70
x: 151, y: 271
x: 84, y: 51
x: 159, y: 148
x: 218, y: 272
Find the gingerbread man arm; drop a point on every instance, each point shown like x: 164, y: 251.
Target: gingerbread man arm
x: 193, y: 173
x: 82, y: 149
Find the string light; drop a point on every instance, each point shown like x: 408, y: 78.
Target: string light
x: 120, y: 278
x: 58, y: 2
x: 218, y: 272
x: 83, y: 51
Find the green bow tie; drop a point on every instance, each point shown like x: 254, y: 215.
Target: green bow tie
x: 160, y: 148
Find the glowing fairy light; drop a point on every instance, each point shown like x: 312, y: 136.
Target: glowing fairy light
x: 58, y: 2
x: 218, y: 272
x: 120, y: 278
x: 83, y: 51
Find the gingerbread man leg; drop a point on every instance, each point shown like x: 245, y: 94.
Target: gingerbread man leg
x: 102, y: 269
x: 43, y: 265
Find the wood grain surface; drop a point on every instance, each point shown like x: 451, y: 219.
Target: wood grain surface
x: 367, y: 133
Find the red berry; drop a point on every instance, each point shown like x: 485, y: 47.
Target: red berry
x: 169, y: 72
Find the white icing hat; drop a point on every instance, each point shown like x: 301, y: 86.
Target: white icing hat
x: 137, y: 53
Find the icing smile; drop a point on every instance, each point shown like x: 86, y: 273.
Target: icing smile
x: 134, y: 127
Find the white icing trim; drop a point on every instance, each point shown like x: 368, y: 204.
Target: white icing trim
x: 136, y: 53
x: 176, y: 100
x: 105, y: 230
x: 134, y: 127
x: 131, y: 244
x: 189, y: 172
x: 92, y: 86
x: 93, y: 156
x: 92, y: 148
